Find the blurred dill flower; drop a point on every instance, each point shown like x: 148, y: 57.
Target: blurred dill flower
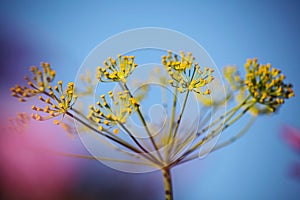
x: 58, y: 102
x: 116, y: 70
x: 68, y: 126
x: 233, y: 77
x: 186, y: 74
x: 87, y: 84
x: 141, y: 93
x: 266, y: 84
x: 20, y: 122
x: 263, y: 84
x: 41, y: 79
x: 158, y: 75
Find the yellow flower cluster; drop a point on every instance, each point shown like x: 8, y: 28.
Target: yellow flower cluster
x: 23, y: 92
x: 266, y: 84
x: 108, y: 115
x: 186, y: 74
x: 41, y: 79
x: 116, y: 70
x: 59, y: 101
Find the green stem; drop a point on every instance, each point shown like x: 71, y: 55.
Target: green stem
x: 167, y: 183
x: 99, y: 158
x: 181, y: 113
x: 141, y: 116
x: 133, y: 138
x: 213, y: 133
x: 111, y: 137
x: 172, y: 121
x: 231, y: 113
x: 226, y: 143
x: 121, y: 142
x: 137, y: 143
x: 192, y: 136
x: 178, y: 123
x: 236, y: 137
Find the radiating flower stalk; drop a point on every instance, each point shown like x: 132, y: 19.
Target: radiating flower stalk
x: 263, y: 90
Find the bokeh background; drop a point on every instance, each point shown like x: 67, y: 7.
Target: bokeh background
x: 64, y: 32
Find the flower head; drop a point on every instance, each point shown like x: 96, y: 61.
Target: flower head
x: 86, y: 85
x: 266, y: 84
x: 107, y: 115
x: 186, y: 74
x: 20, y: 122
x: 58, y: 102
x: 263, y: 83
x: 116, y: 70
x: 233, y: 77
x: 41, y: 79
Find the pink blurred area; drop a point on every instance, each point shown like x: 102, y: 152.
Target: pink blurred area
x: 295, y: 170
x: 29, y: 169
x: 291, y: 135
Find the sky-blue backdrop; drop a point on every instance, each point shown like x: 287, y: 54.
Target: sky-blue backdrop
x: 64, y: 32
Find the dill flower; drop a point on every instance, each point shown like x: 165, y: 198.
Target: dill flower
x: 116, y: 70
x: 109, y: 115
x: 41, y: 79
x: 186, y: 74
x: 58, y: 102
x: 266, y: 84
x: 263, y: 84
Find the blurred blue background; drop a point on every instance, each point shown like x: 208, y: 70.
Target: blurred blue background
x: 64, y: 32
